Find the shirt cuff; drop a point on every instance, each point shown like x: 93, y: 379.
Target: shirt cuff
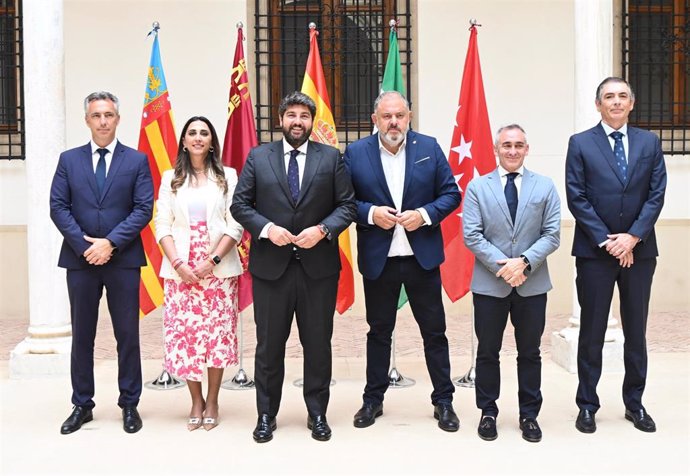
x: 604, y: 243
x: 425, y: 216
x: 370, y: 216
x: 264, y: 231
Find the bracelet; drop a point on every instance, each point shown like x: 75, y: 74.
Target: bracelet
x: 177, y: 263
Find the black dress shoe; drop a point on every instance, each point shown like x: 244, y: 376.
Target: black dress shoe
x: 585, y: 422
x: 530, y: 430
x: 265, y: 427
x: 131, y: 421
x: 487, y: 428
x: 319, y: 428
x: 79, y: 416
x: 641, y: 420
x: 366, y: 416
x: 447, y: 419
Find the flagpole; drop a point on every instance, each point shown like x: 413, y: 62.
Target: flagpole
x: 468, y: 379
x: 165, y: 381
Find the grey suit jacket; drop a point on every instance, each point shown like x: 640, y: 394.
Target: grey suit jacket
x: 491, y: 235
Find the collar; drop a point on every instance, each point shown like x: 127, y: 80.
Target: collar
x: 503, y: 172
x: 608, y: 129
x: 110, y: 147
x: 287, y: 147
x: 400, y: 149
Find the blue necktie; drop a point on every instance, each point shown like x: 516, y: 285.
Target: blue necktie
x: 100, y: 170
x: 511, y: 194
x: 293, y: 175
x: 619, y: 153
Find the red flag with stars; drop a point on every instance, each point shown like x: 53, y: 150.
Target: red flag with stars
x: 471, y: 154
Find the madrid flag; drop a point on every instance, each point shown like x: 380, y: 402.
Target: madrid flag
x: 314, y: 86
x: 471, y: 154
x: 240, y: 137
x: 158, y: 141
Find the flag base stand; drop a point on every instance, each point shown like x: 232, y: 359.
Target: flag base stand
x: 397, y: 380
x: 165, y: 381
x: 239, y: 382
x: 300, y: 382
x: 466, y: 380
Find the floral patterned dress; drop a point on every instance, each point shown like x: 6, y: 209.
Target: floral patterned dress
x: 199, y: 320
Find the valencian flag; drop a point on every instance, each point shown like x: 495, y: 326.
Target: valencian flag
x: 471, y: 154
x: 240, y: 137
x: 158, y: 141
x: 314, y: 86
x: 393, y: 81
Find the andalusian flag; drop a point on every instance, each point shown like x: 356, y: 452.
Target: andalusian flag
x: 158, y: 141
x: 393, y: 81
x: 314, y: 86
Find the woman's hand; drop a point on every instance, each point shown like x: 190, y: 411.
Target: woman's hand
x: 188, y: 275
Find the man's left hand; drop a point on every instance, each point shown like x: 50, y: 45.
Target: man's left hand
x: 99, y: 252
x: 308, y: 237
x: 513, y: 271
x: 410, y: 219
x: 621, y: 244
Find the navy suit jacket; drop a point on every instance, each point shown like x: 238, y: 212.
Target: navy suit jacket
x: 429, y: 183
x: 602, y: 202
x: 124, y: 208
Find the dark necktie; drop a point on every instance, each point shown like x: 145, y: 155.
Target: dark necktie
x: 619, y: 153
x: 100, y: 170
x: 511, y: 194
x: 293, y: 175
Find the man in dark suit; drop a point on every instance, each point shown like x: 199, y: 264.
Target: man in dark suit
x: 404, y: 188
x: 294, y: 196
x: 511, y: 222
x: 615, y: 185
x: 100, y: 200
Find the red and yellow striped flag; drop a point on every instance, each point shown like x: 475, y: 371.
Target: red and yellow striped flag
x: 158, y: 141
x: 314, y: 86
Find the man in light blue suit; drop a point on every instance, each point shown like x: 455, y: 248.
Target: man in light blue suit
x: 404, y: 189
x: 511, y: 222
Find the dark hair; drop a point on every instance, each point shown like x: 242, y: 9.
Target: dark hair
x: 297, y: 98
x: 612, y: 79
x: 101, y: 96
x: 183, y: 165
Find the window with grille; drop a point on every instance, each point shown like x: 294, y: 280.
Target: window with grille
x: 353, y: 42
x: 656, y: 50
x: 11, y: 81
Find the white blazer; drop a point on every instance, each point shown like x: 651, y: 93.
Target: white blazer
x: 172, y: 219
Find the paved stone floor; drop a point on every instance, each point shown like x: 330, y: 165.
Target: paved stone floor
x: 667, y: 332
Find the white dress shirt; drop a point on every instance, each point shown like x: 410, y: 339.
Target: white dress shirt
x: 623, y: 130
x: 394, y: 171
x: 517, y: 180
x: 95, y: 156
x: 301, y: 162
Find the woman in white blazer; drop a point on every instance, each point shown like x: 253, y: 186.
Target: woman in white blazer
x: 200, y: 268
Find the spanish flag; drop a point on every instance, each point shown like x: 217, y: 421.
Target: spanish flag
x: 314, y: 86
x: 158, y: 141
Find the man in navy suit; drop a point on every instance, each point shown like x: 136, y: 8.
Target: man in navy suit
x: 100, y: 200
x: 403, y: 188
x: 615, y: 185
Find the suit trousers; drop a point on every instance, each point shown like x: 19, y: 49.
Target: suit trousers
x: 312, y: 302
x: 595, y: 282
x: 85, y: 289
x: 423, y: 288
x: 528, y: 316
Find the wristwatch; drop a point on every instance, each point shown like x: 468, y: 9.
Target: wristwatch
x: 215, y: 259
x: 114, y: 247
x: 324, y: 230
x: 526, y: 261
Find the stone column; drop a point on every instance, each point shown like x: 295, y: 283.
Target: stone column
x: 46, y: 349
x: 593, y: 62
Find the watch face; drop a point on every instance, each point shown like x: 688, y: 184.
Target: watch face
x: 216, y: 259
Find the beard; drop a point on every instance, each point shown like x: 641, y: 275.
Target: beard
x: 295, y: 138
x: 388, y: 138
